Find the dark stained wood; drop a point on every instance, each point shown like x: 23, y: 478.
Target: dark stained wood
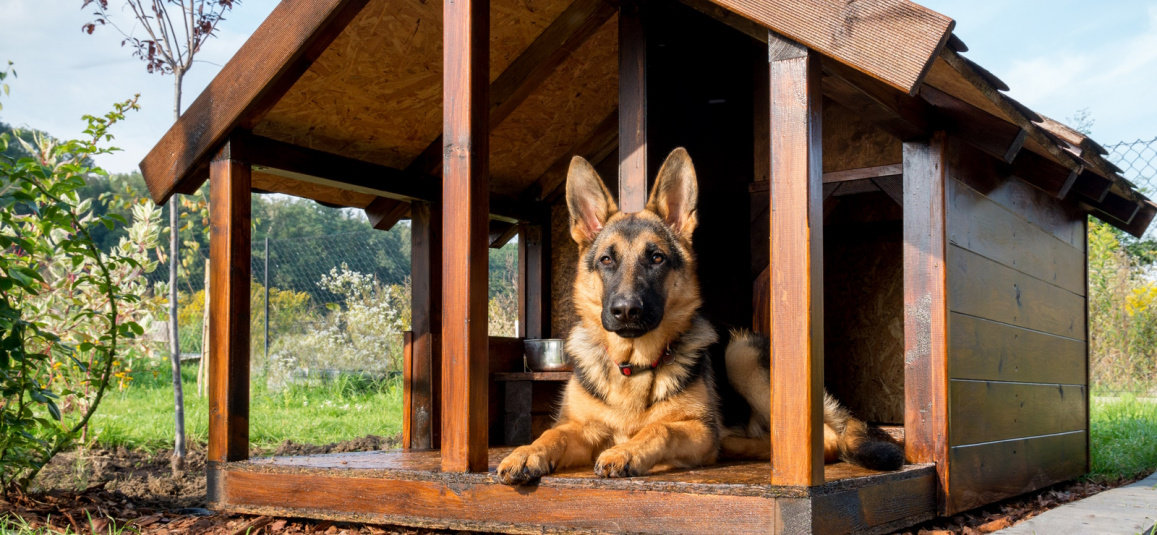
x: 893, y: 186
x: 1142, y: 219
x: 501, y: 232
x: 1120, y: 210
x: 991, y: 134
x: 986, y: 473
x: 1051, y: 177
x: 517, y: 417
x: 981, y: 287
x: 537, y: 290
x: 303, y: 163
x: 465, y: 255
x: 988, y: 350
x: 866, y: 509
x: 926, y: 307
x: 505, y: 355
x: 229, y: 274
x: 259, y: 74
x: 632, y: 106
x: 527, y: 72
x: 893, y: 41
x: 407, y: 393
x: 896, y: 112
x: 796, y: 232
x: 1091, y: 185
x: 863, y: 173
x: 980, y: 225
x: 426, y: 324
x: 598, y: 145
x: 385, y: 212
x: 991, y: 178
x: 532, y: 376
x: 988, y: 411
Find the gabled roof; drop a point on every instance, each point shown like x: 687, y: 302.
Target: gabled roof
x: 360, y: 80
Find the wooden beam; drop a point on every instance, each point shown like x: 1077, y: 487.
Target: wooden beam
x: 926, y: 306
x: 319, y: 167
x: 1142, y: 219
x: 426, y: 323
x: 863, y: 173
x: 597, y: 145
x: 529, y: 70
x: 534, y: 258
x: 407, y: 391
x: 796, y: 245
x: 894, y: 111
x: 1047, y: 175
x: 384, y: 213
x: 248, y: 86
x: 1119, y: 209
x: 516, y: 210
x: 501, y: 232
x: 632, y: 106
x: 1092, y: 185
x: 229, y: 274
x: 981, y: 129
x: 853, y: 33
x: 465, y: 202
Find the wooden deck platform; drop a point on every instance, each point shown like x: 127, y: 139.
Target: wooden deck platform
x: 408, y: 488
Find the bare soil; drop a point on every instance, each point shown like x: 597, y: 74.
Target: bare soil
x: 93, y: 491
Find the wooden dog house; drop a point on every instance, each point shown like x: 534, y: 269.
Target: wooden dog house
x: 948, y: 298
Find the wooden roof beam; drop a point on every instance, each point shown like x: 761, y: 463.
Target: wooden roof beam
x: 1091, y: 185
x: 897, y: 113
x: 983, y: 130
x: 1142, y: 219
x: 1121, y: 210
x: 527, y: 72
x: 384, y: 212
x: 600, y: 143
x: 311, y: 165
x: 1047, y: 175
x: 248, y: 86
x: 501, y: 232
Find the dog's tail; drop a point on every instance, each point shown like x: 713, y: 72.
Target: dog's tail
x: 845, y: 437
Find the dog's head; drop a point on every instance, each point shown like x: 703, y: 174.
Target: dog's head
x: 636, y: 271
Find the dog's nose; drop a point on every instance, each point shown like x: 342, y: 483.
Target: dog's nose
x: 627, y: 308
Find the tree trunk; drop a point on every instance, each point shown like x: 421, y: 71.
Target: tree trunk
x: 178, y: 460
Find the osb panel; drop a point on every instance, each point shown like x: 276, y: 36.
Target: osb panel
x: 376, y: 93
x: 558, y: 115
x: 864, y: 318
x: 317, y: 192
x: 943, y: 77
x: 563, y: 263
x: 851, y: 143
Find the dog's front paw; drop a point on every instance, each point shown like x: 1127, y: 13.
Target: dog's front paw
x: 523, y: 465
x: 617, y: 462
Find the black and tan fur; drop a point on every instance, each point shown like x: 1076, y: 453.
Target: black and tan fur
x: 637, y: 298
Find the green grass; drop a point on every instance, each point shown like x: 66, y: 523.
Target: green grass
x: 1124, y: 437
x: 141, y: 416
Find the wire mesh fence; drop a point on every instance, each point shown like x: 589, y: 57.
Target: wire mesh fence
x: 1138, y: 162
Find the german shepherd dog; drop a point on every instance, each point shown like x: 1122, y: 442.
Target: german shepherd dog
x: 643, y: 394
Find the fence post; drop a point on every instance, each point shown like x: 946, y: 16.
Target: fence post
x: 267, y: 300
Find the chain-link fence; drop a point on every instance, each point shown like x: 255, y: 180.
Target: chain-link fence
x: 1138, y: 161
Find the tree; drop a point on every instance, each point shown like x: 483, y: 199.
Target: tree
x: 169, y: 48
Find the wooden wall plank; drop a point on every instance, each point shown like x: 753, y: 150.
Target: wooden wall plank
x: 465, y: 216
x: 985, y: 473
x: 981, y: 287
x: 925, y: 307
x: 988, y: 350
x: 229, y: 274
x: 632, y: 106
x: 987, y: 176
x: 985, y: 228
x: 265, y: 67
x: 987, y: 411
x: 796, y: 246
x: 426, y: 324
x: 859, y: 510
x: 894, y: 41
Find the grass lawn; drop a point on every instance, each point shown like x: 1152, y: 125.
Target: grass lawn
x: 141, y: 416
x: 1124, y: 437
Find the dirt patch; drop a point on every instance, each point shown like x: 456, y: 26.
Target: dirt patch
x: 1000, y: 515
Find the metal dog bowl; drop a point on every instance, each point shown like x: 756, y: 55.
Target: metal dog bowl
x: 546, y: 355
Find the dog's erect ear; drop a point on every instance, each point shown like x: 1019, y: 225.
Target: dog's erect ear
x: 589, y: 201
x: 675, y: 193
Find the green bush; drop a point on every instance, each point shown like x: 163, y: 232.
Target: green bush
x: 1122, y: 315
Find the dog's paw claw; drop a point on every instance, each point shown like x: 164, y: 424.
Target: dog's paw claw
x: 521, y: 467
x: 616, y: 463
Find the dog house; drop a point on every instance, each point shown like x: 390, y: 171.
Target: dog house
x: 907, y: 235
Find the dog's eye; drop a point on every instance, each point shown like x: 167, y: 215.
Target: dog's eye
x: 657, y: 258
x: 605, y: 260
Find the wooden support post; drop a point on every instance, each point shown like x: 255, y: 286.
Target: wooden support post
x: 426, y: 323
x: 925, y: 306
x: 796, y: 264
x: 465, y: 251
x: 407, y: 389
x: 632, y: 106
x: 229, y: 242
x: 534, y: 261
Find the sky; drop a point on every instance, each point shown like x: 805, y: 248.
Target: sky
x: 1058, y: 56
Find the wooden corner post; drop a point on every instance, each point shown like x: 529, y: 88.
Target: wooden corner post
x: 465, y: 227
x: 229, y: 271
x: 796, y: 264
x: 925, y: 306
x: 426, y: 304
x: 632, y: 106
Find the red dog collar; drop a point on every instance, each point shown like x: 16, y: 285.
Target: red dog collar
x: 628, y: 369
